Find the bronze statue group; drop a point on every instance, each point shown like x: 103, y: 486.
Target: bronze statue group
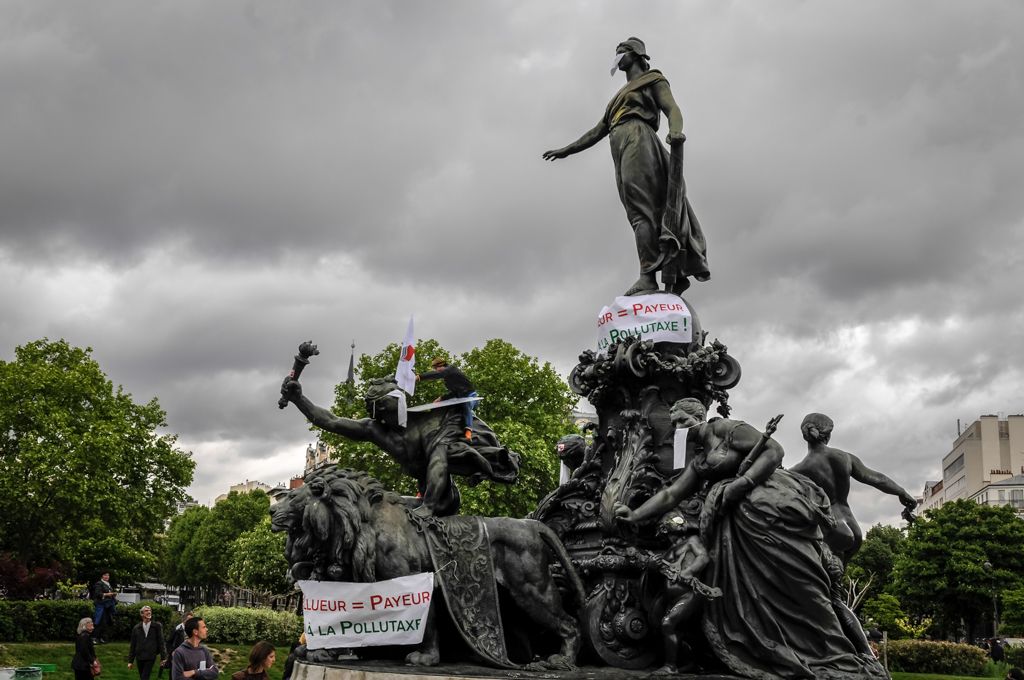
x: 731, y: 563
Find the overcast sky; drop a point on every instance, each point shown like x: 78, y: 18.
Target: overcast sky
x: 192, y: 188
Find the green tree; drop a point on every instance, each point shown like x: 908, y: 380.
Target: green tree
x: 183, y: 563
x: 885, y: 610
x: 528, y: 404
x: 258, y: 563
x: 200, y: 542
x: 84, y: 466
x: 941, y: 573
x: 228, y: 519
x: 872, y: 567
x: 1013, y: 612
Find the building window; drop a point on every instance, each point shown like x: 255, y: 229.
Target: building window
x: 956, y: 487
x: 1002, y: 495
x: 955, y: 467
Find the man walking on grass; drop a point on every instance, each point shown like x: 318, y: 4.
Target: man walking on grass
x: 147, y: 641
x: 177, y: 637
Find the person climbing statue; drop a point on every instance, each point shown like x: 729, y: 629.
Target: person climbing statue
x: 459, y: 387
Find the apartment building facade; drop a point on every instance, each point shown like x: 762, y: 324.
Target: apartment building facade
x: 988, y: 453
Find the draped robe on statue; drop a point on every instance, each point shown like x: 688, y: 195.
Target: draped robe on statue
x: 642, y: 176
x: 776, y: 618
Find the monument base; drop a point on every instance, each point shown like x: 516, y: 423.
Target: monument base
x: 396, y: 670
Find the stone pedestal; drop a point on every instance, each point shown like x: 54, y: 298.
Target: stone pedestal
x: 395, y: 670
x: 633, y: 385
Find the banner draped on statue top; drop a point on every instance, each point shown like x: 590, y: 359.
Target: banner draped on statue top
x: 391, y: 612
x: 660, y: 317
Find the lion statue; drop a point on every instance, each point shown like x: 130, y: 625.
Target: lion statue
x: 342, y: 525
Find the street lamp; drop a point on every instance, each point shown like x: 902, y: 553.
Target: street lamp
x: 995, y: 609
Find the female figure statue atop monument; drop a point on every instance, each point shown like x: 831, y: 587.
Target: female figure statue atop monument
x: 650, y: 179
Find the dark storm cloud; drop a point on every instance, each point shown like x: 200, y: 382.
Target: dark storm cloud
x: 193, y: 188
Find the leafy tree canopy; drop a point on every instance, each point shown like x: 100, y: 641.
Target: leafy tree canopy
x: 528, y: 405
x: 885, y: 611
x: 183, y: 564
x: 1013, y: 613
x: 258, y: 563
x: 876, y: 559
x: 941, y: 573
x: 84, y: 467
x: 200, y: 541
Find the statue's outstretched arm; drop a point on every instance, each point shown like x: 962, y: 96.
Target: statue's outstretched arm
x: 667, y: 498
x: 357, y: 430
x: 589, y: 139
x: 865, y: 475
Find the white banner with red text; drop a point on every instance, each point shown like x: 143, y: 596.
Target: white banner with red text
x: 660, y: 317
x: 392, y: 612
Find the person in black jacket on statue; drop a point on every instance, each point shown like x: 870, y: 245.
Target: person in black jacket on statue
x: 147, y: 642
x: 459, y: 386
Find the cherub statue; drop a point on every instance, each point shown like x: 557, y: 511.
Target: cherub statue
x: 430, y: 447
x: 681, y: 566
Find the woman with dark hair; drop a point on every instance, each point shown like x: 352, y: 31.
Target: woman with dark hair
x: 762, y: 526
x: 261, y: 658
x: 85, y: 654
x: 668, y: 236
x: 1015, y: 674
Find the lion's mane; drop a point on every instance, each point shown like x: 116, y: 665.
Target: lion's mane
x: 331, y: 516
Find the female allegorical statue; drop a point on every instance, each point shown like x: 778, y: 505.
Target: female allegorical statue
x: 762, y: 526
x: 650, y: 180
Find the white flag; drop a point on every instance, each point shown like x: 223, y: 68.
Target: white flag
x: 406, y: 373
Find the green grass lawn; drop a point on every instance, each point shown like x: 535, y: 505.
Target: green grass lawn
x: 229, y: 658
x: 114, y: 657
x: 931, y: 676
x: 927, y: 676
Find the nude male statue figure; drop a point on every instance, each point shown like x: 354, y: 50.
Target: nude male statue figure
x: 832, y: 469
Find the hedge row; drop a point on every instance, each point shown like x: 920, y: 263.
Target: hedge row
x: 235, y: 625
x: 1014, y: 655
x: 942, y: 658
x: 52, y: 620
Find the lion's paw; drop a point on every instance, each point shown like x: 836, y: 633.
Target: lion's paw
x: 557, y: 662
x: 420, y: 659
x: 321, y: 655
